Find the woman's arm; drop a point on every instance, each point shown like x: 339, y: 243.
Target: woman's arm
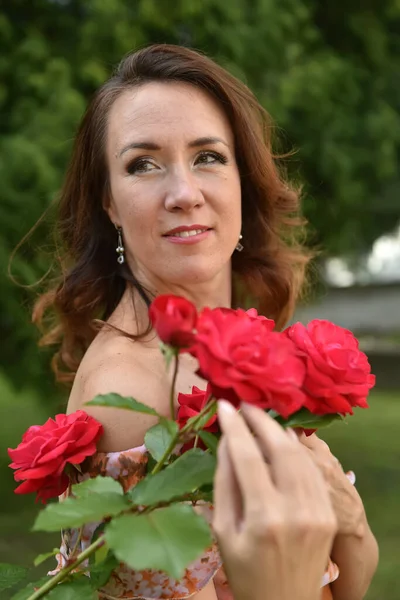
x: 357, y: 559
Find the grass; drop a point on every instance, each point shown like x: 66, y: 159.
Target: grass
x: 368, y: 444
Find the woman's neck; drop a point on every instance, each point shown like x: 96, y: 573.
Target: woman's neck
x: 131, y: 314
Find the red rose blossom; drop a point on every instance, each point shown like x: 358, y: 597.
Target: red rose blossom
x: 338, y: 375
x: 39, y: 460
x: 245, y: 361
x: 174, y: 319
x: 190, y: 405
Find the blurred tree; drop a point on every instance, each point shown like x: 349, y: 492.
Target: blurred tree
x: 327, y: 72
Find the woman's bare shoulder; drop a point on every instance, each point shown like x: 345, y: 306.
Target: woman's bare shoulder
x: 115, y: 363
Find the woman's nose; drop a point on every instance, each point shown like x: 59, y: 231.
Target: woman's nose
x: 183, y: 192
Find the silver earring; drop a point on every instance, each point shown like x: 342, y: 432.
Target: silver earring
x: 120, y: 249
x: 239, y: 246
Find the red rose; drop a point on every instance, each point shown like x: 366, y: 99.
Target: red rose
x: 338, y: 375
x: 269, y: 324
x: 245, y: 361
x: 190, y: 405
x: 40, y: 459
x: 174, y: 319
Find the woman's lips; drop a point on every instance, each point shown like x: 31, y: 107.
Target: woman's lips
x: 188, y: 236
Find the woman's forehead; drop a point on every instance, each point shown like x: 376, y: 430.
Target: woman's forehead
x: 164, y: 110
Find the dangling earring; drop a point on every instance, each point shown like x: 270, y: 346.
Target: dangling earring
x: 120, y: 249
x: 239, y: 246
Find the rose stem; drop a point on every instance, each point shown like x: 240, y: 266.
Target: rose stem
x: 175, y: 439
x: 49, y: 585
x: 172, y: 394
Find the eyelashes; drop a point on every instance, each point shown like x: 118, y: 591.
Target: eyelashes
x: 145, y: 164
x: 139, y: 166
x: 216, y: 156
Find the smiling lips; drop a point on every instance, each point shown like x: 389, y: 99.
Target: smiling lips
x: 188, y: 234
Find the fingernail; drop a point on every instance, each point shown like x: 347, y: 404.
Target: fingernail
x: 225, y: 407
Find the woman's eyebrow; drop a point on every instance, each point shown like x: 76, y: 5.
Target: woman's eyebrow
x: 145, y: 145
x: 141, y: 145
x: 205, y: 141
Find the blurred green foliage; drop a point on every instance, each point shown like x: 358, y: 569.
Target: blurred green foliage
x: 366, y: 443
x: 328, y: 73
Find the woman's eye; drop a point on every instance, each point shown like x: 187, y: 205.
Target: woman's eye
x: 210, y: 158
x: 140, y: 165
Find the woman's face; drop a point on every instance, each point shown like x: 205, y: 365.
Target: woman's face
x: 175, y: 184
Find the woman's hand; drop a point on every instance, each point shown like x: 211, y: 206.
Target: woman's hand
x: 273, y: 517
x: 345, y: 499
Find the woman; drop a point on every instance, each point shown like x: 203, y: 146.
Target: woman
x: 173, y: 168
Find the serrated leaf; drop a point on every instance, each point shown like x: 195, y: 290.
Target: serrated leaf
x: 100, y: 572
x: 117, y: 401
x: 168, y: 539
x: 159, y: 437
x: 203, y: 420
x: 75, y: 512
x: 30, y: 589
x: 189, y: 472
x: 80, y: 589
x: 304, y: 418
x: 210, y: 440
x: 43, y: 557
x: 11, y: 575
x: 97, y: 485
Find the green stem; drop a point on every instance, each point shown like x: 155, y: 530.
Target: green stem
x: 175, y: 439
x: 172, y: 393
x: 49, y: 585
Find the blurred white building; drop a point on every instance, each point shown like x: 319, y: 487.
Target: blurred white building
x: 382, y: 265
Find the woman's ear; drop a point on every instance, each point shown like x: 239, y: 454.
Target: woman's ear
x: 110, y: 208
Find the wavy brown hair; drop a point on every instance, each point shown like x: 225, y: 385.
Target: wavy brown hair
x: 269, y: 272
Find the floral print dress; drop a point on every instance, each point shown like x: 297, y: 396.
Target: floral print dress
x: 129, y: 467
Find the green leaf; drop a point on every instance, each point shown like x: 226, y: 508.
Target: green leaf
x: 200, y: 423
x: 159, y: 437
x: 100, y: 572
x: 30, y: 589
x: 168, y: 539
x: 117, y: 401
x: 74, y: 512
x: 207, y: 492
x: 304, y: 418
x: 79, y: 589
x: 210, y: 440
x: 189, y: 472
x: 11, y: 575
x: 97, y: 485
x: 42, y: 557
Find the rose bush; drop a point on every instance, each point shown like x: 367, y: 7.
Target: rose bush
x: 40, y: 459
x: 316, y: 369
x: 338, y: 375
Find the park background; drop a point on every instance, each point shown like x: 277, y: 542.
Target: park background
x: 329, y: 74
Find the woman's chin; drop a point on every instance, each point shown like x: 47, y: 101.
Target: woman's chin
x: 195, y: 274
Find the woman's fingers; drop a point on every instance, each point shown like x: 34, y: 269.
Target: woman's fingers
x: 247, y: 461
x: 227, y: 494
x: 281, y: 448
